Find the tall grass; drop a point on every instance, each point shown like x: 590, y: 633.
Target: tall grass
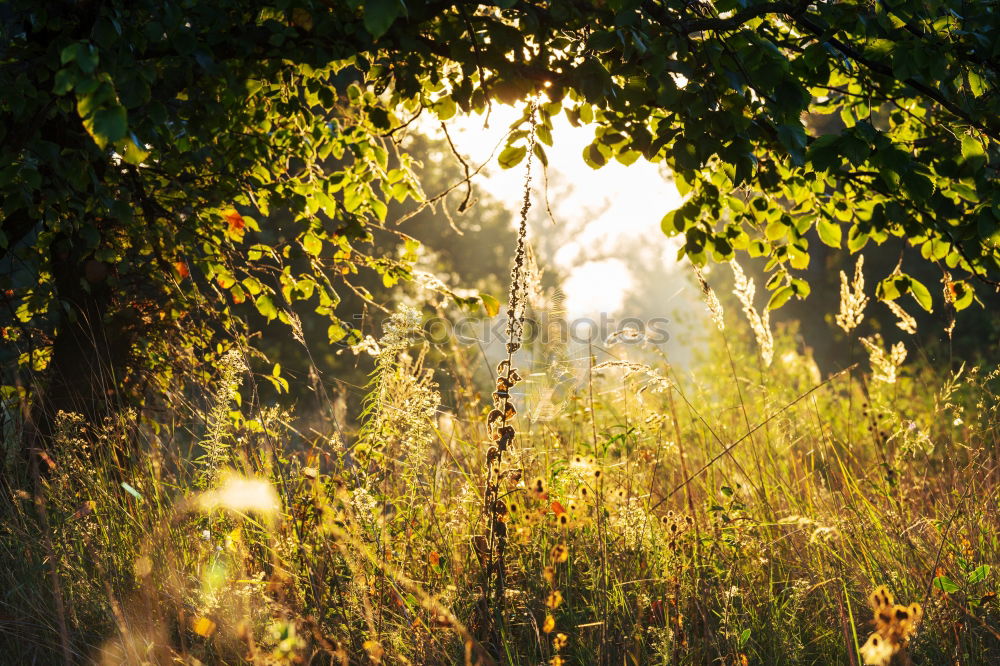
x: 739, y: 513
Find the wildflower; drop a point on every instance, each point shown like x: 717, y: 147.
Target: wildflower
x: 760, y: 323
x: 231, y: 369
x: 368, y: 345
x: 894, y: 626
x: 203, y: 626
x: 554, y: 600
x: 549, y: 624
x: 559, y: 641
x: 852, y: 298
x: 876, y: 651
x: 560, y: 553
x: 538, y: 486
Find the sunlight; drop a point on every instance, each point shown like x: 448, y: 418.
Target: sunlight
x: 597, y: 286
x: 613, y: 204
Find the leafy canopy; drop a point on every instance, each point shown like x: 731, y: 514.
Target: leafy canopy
x: 223, y: 154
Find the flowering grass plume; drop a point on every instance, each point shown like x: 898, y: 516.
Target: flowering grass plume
x: 885, y: 364
x: 760, y: 322
x: 852, y: 298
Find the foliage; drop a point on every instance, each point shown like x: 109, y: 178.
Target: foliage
x: 735, y: 513
x: 163, y: 163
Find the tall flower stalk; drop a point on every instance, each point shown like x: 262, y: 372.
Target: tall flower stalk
x: 499, y: 422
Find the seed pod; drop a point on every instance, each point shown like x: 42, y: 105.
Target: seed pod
x: 494, y: 416
x: 505, y: 436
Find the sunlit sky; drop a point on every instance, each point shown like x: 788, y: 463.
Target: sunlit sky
x: 608, y: 204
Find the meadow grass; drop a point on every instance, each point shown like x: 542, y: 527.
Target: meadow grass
x: 742, y: 512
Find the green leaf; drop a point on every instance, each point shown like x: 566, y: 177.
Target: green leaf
x: 979, y: 574
x: 793, y: 137
x: 829, y: 232
x: 380, y: 14
x: 775, y: 230
x: 225, y: 279
x: 593, y: 156
x: 253, y: 285
x: 963, y: 294
x: 780, y: 297
x: 540, y: 154
x: 490, y: 304
x: 69, y: 53
x: 445, y: 107
x: 971, y: 147
x: 266, y: 306
x: 312, y: 244
x: 108, y: 124
x: 945, y: 584
x: 921, y: 294
x: 856, y: 239
x: 335, y: 333
x: 131, y: 151
x: 798, y: 258
x: 628, y: 157
x: 83, y: 54
x: 65, y: 80
x: 512, y: 156
x: 127, y: 487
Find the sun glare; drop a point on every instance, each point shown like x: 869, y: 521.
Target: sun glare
x: 615, y: 203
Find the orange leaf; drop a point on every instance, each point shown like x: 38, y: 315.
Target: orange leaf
x: 558, y: 509
x: 234, y: 219
x: 182, y: 269
x: 434, y: 558
x: 237, y: 225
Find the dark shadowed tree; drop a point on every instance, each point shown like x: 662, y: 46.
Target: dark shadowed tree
x: 144, y: 146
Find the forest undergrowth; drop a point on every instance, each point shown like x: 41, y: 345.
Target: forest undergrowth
x: 746, y: 510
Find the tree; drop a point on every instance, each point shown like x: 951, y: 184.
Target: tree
x: 144, y: 146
